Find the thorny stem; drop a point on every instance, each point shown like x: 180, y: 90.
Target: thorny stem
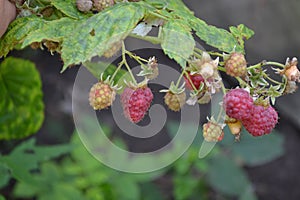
x: 179, y: 79
x: 264, y: 63
x: 117, y: 70
x: 221, y: 69
x: 241, y: 81
x: 126, y: 64
x: 272, y: 80
x: 153, y: 40
x: 135, y: 57
x: 197, y: 55
x: 215, y: 54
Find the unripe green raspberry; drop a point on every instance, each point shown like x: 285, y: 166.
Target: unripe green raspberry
x: 101, y: 95
x: 175, y: 101
x: 212, y: 132
x: 236, y: 65
x: 100, y: 5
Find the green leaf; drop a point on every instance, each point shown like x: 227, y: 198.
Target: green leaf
x: 4, y: 175
x: 215, y: 37
x: 226, y: 177
x: 95, y: 35
x: 184, y: 186
x: 17, y: 31
x: 241, y: 31
x: 255, y: 151
x: 2, y: 197
x: 126, y: 188
x: 249, y: 194
x: 26, y: 156
x: 50, y: 185
x: 108, y: 69
x: 178, y: 42
x: 55, y: 30
x: 21, y: 105
x: 68, y: 7
x: 150, y: 191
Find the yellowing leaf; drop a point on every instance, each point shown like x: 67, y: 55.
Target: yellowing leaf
x: 93, y: 36
x: 178, y: 42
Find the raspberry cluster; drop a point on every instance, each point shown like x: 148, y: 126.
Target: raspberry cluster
x: 258, y: 120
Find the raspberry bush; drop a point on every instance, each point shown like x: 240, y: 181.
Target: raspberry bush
x: 78, y: 30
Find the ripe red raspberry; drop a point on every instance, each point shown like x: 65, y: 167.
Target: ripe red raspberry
x: 238, y: 104
x: 84, y: 5
x: 136, y: 103
x: 101, y: 95
x: 262, y: 120
x: 100, y: 5
x: 236, y: 65
x: 196, y: 79
x: 212, y: 132
x: 175, y: 101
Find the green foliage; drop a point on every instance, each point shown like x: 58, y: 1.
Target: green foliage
x: 17, y: 31
x: 116, y: 23
x: 81, y: 176
x: 216, y: 37
x: 25, y: 158
x: 241, y: 33
x: 4, y: 174
x: 55, y: 30
x: 227, y: 177
x: 21, y: 105
x: 222, y: 169
x: 177, y: 41
x: 257, y: 151
x: 107, y: 69
x: 83, y: 36
x: 68, y: 8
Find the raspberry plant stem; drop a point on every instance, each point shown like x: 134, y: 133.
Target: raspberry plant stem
x: 272, y: 80
x: 115, y: 73
x: 179, y: 79
x: 137, y: 58
x: 126, y: 64
x: 264, y: 63
x: 152, y: 39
